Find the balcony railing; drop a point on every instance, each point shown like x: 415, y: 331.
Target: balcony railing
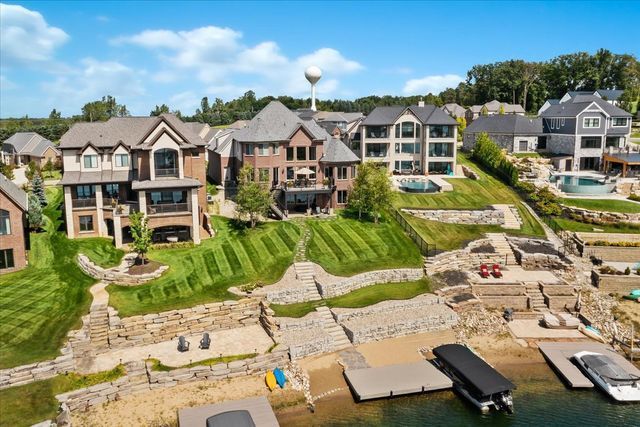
x: 166, y: 172
x: 168, y: 208
x: 441, y: 150
x: 83, y: 203
x: 376, y: 154
x: 306, y: 184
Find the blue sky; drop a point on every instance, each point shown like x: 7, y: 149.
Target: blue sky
x: 63, y: 54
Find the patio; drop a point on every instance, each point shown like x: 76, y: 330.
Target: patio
x: 628, y: 164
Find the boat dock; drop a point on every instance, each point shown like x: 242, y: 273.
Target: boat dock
x: 559, y: 354
x: 258, y: 407
x: 395, y: 380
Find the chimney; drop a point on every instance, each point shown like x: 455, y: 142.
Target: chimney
x: 421, y: 103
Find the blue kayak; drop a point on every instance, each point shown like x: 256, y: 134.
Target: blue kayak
x: 280, y: 378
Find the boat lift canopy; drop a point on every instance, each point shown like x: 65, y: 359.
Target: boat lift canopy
x: 479, y: 377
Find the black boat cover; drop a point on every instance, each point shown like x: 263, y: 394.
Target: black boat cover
x: 610, y: 372
x: 479, y: 377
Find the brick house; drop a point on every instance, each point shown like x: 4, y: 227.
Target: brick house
x: 14, y: 226
x: 150, y: 164
x: 23, y: 147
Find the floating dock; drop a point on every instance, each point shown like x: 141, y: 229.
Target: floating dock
x: 258, y: 407
x: 395, y: 380
x: 559, y: 355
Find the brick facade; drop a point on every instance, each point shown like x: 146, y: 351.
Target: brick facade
x: 17, y: 240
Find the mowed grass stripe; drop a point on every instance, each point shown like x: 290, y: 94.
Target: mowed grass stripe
x: 335, y: 249
x: 359, y: 246
x: 343, y: 242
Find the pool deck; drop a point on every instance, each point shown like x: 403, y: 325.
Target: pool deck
x: 258, y: 407
x: 558, y: 355
x: 395, y: 380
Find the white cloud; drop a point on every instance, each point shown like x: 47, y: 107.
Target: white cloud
x: 6, y: 84
x: 431, y: 84
x: 103, y: 18
x: 184, y: 101
x: 216, y: 55
x: 26, y: 36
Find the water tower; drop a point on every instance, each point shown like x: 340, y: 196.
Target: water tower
x: 313, y: 74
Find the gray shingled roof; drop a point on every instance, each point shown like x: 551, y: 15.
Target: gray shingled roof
x: 428, y: 115
x: 579, y: 103
x: 14, y: 192
x: 610, y: 94
x: 455, y: 109
x: 506, y: 123
x: 336, y: 152
x: 275, y: 123
x: 129, y: 130
x: 196, y: 127
x: 100, y: 177
x: 494, y: 107
x: 28, y: 143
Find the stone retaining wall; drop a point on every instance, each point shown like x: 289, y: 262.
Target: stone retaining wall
x: 26, y: 374
x: 520, y: 302
x: 559, y: 297
x: 538, y: 261
x: 469, y: 173
x: 484, y: 217
x: 290, y: 295
x: 158, y: 327
x: 587, y: 215
x: 141, y: 378
x: 461, y: 260
x: 613, y: 283
x: 613, y: 253
x: 358, y: 281
x: 307, y: 342
x: 344, y: 314
x: 118, y: 274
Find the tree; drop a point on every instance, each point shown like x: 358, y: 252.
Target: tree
x: 462, y: 125
x: 6, y: 169
x: 49, y: 167
x: 34, y: 212
x: 501, y: 110
x: 31, y: 170
x: 141, y: 234
x: 103, y: 109
x: 37, y: 186
x: 254, y: 198
x: 55, y: 117
x: 371, y: 191
x: 162, y: 109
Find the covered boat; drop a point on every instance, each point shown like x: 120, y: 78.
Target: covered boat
x: 474, y: 378
x: 609, y: 376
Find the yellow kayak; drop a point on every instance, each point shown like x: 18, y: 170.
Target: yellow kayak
x: 270, y: 379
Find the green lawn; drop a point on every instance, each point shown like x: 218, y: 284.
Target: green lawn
x: 603, y: 205
x: 526, y: 155
x: 40, y: 304
x: 362, y: 297
x: 203, y: 273
x: 345, y: 246
x: 29, y: 404
x: 53, y: 175
x: 570, y: 225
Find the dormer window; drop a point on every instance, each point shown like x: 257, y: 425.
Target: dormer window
x: 90, y: 161
x: 122, y: 160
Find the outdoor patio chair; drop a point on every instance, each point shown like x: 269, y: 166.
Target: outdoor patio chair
x: 484, y: 271
x: 183, y: 344
x: 317, y: 210
x: 205, y: 342
x: 496, y: 270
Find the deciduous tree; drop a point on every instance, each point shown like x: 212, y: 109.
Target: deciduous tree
x: 141, y: 234
x: 253, y: 198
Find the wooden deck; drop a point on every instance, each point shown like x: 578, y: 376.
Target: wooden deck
x: 558, y: 354
x: 258, y: 407
x: 395, y: 380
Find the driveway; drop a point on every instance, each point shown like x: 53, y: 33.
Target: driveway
x: 19, y: 176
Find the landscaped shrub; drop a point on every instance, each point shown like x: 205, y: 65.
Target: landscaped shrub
x: 634, y: 197
x: 615, y: 244
x: 627, y: 271
x: 489, y: 154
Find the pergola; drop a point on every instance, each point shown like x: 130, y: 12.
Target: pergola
x: 630, y: 163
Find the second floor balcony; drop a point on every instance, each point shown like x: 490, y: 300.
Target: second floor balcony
x: 441, y: 150
x: 168, y: 208
x: 84, y: 202
x: 376, y: 150
x: 166, y: 172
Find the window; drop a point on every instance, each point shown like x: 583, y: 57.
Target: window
x: 86, y: 223
x: 195, y: 154
x: 407, y: 129
x: 312, y: 153
x: 166, y: 162
x: 410, y: 148
x: 312, y: 175
x: 342, y: 197
x: 439, y: 149
x: 6, y: 259
x: 397, y: 147
x: 263, y: 149
x: 342, y: 172
x: 440, y: 131
x: 613, y: 141
x: 404, y: 165
x: 301, y: 153
x: 90, y: 161
x: 397, y: 131
x: 418, y: 130
x: 523, y: 146
x: 122, y: 160
x: 276, y: 150
x: 5, y: 223
x: 289, y: 154
x: 376, y: 132
x: 328, y: 172
x: 263, y: 174
x: 248, y: 149
x: 619, y: 121
x: 354, y: 171
x: 542, y: 143
x: 276, y: 175
x: 112, y: 190
x: 290, y: 173
x: 591, y: 142
x: 85, y: 191
x: 591, y: 122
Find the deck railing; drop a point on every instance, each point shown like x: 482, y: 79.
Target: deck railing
x: 168, y: 208
x: 84, y: 203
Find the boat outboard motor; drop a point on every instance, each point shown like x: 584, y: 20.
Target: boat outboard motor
x: 505, y: 403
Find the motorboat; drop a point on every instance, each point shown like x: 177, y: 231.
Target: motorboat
x: 609, y: 376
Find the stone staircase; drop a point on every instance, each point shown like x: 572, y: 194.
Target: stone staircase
x: 305, y: 275
x: 510, y: 220
x: 502, y: 247
x: 537, y: 299
x: 99, y: 327
x: 340, y: 340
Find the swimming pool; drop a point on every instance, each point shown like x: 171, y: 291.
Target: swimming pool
x: 419, y: 186
x: 578, y: 184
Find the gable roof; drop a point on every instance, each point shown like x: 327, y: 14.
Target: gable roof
x: 506, y: 123
x: 610, y: 94
x: 14, y: 192
x: 130, y: 130
x: 28, y: 143
x: 335, y: 151
x: 275, y: 123
x: 427, y: 115
x: 579, y: 103
x: 455, y: 109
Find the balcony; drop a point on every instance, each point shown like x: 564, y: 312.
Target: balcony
x: 166, y: 172
x: 441, y: 150
x: 441, y: 131
x: 167, y: 208
x: 83, y: 203
x: 302, y: 185
x: 375, y: 132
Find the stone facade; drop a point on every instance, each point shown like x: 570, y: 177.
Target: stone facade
x: 538, y: 261
x: 561, y: 144
x: 451, y: 216
x: 26, y: 374
x: 613, y: 283
x: 118, y: 274
x: 349, y: 284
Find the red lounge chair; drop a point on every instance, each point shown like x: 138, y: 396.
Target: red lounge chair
x: 484, y: 271
x: 496, y: 271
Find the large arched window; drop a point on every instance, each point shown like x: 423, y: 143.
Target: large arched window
x: 5, y: 223
x: 166, y: 162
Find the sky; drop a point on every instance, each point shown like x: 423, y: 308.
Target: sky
x: 64, y: 54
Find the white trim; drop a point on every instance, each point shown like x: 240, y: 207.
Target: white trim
x: 584, y: 119
x: 588, y: 108
x: 619, y: 126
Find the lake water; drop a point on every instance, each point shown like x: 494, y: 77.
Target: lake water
x: 540, y: 400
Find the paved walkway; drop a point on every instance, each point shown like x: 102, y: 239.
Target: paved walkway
x: 19, y: 177
x: 530, y: 328
x: 510, y: 220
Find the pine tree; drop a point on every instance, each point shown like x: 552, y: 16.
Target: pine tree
x: 37, y: 186
x: 34, y: 213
